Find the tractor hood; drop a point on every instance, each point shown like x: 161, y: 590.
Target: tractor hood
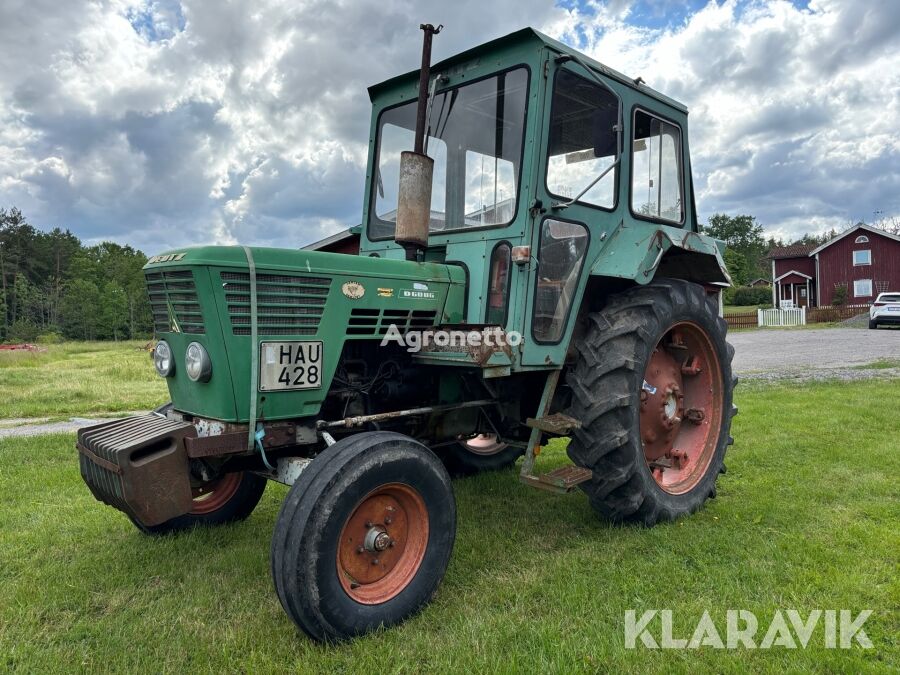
x: 203, y: 295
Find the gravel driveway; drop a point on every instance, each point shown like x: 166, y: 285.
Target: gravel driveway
x: 814, y: 353
x: 810, y: 354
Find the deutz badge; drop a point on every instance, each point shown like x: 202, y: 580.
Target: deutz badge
x: 353, y: 290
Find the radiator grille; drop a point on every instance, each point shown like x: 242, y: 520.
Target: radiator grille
x: 173, y: 302
x: 377, y: 321
x: 286, y: 304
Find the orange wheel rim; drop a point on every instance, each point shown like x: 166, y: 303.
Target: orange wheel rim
x: 214, y: 495
x: 484, y: 444
x: 681, y: 403
x: 382, y: 544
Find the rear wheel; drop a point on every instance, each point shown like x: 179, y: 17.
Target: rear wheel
x: 484, y: 452
x: 228, y: 499
x: 873, y: 324
x: 364, y: 536
x: 653, y: 388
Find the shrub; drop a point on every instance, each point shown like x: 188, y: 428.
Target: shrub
x: 839, y: 299
x: 22, y: 330
x: 50, y: 337
x: 748, y: 295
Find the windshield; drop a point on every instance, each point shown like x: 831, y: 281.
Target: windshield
x: 475, y: 136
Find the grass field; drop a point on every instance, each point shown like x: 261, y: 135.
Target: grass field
x: 807, y: 517
x: 78, y: 378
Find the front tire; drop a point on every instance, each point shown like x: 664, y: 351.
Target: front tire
x: 364, y: 536
x: 229, y: 499
x: 652, y: 386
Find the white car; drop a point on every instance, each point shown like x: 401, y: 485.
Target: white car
x: 885, y: 310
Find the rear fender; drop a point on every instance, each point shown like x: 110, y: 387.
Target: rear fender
x: 640, y: 253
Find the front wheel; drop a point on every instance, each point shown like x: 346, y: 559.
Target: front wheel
x: 653, y: 386
x: 364, y: 536
x: 228, y: 499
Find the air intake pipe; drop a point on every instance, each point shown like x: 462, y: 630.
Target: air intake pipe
x: 417, y: 169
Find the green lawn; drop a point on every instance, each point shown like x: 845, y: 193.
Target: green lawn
x: 79, y: 378
x: 806, y: 518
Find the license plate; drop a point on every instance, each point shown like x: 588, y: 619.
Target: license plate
x: 284, y: 366
x: 893, y: 309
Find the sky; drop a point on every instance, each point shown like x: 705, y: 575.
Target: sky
x: 166, y: 123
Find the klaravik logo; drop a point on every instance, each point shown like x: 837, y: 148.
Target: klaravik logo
x: 788, y: 628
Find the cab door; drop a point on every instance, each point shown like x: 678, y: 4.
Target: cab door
x: 577, y: 185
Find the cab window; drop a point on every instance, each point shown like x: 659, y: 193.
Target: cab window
x: 560, y: 257
x: 582, y: 143
x: 656, y: 190
x: 475, y: 134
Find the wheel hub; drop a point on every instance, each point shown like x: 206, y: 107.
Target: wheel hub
x: 377, y: 539
x: 680, y: 407
x: 662, y: 404
x: 382, y: 543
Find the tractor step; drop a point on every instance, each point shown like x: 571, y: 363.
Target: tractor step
x: 562, y: 480
x: 556, y: 424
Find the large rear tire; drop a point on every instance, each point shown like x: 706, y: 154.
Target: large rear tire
x: 364, y: 536
x: 229, y: 499
x: 652, y: 386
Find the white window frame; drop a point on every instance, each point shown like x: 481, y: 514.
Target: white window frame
x: 856, y: 292
x: 868, y: 261
x: 862, y: 239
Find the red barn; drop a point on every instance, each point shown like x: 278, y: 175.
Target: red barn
x: 864, y: 259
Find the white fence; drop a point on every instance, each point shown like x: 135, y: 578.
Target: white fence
x: 794, y: 316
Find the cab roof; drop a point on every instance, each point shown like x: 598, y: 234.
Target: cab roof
x: 521, y: 36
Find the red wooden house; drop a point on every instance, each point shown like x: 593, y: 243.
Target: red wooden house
x: 864, y: 259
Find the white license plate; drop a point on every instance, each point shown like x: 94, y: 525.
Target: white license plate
x: 290, y: 365
x: 893, y: 309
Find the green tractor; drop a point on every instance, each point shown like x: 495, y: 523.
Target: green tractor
x: 530, y: 266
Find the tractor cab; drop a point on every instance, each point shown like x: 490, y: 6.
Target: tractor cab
x: 553, y: 176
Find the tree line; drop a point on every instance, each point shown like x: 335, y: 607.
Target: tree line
x: 746, y: 255
x: 53, y: 285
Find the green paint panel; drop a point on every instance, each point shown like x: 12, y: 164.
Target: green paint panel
x: 301, y: 296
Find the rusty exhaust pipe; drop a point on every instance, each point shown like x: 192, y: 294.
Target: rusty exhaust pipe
x: 417, y: 169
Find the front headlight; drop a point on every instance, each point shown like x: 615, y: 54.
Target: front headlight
x: 197, y: 363
x: 162, y: 359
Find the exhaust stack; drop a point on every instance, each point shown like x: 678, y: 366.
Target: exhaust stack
x: 417, y: 169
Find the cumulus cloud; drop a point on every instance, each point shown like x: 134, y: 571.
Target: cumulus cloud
x: 793, y: 109
x: 162, y: 123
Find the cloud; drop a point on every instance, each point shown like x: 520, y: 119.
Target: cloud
x: 793, y: 109
x: 163, y: 123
